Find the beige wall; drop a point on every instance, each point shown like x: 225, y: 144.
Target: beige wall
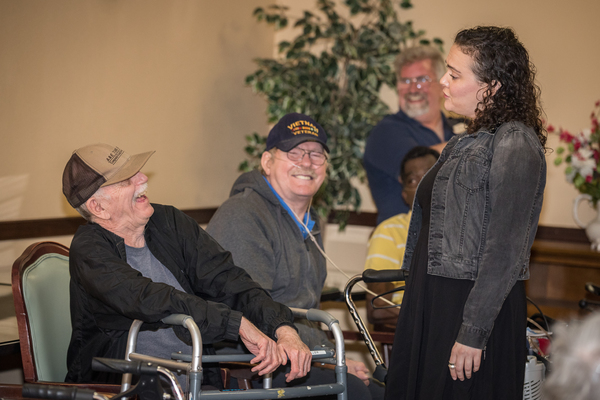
x: 163, y: 75
x: 169, y: 75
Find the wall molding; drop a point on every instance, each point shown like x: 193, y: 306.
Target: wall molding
x: 38, y: 228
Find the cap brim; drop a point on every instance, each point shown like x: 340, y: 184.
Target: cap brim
x: 287, y: 145
x: 132, y: 167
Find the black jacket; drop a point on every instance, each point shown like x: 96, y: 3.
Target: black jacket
x: 107, y: 294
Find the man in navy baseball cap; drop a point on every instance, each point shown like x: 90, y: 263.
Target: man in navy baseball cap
x: 272, y: 232
x: 293, y: 129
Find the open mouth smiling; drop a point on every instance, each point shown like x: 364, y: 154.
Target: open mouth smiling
x: 141, y: 193
x: 304, y: 176
x: 415, y: 98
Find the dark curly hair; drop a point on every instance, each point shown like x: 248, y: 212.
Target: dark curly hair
x: 499, y: 56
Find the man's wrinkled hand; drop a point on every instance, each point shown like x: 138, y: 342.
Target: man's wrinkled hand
x: 290, y: 346
x: 358, y: 369
x: 259, y: 344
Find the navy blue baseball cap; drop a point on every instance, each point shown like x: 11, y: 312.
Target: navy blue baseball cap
x: 293, y: 129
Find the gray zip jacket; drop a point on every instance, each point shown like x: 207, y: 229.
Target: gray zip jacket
x: 485, y: 207
x: 264, y: 240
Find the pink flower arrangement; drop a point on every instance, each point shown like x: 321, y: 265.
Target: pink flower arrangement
x: 581, y: 154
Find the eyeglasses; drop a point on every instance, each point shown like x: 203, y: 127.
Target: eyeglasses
x: 422, y: 81
x: 297, y: 155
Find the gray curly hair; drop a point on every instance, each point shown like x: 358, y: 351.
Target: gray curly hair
x: 419, y: 53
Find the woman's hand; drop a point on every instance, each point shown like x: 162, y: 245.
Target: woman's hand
x: 465, y: 360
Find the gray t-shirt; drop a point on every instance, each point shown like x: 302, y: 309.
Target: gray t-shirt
x: 162, y: 342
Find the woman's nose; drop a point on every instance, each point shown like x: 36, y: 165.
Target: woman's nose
x: 444, y: 80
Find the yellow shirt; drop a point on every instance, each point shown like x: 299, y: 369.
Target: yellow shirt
x: 386, y: 247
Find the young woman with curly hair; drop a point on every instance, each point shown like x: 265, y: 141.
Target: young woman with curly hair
x: 461, y: 329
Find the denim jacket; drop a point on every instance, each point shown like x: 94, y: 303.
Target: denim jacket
x: 485, y: 207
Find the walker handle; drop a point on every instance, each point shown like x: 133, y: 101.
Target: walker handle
x: 384, y: 275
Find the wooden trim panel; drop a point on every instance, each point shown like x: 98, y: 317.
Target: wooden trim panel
x: 37, y: 228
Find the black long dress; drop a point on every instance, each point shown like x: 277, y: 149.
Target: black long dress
x: 428, y: 324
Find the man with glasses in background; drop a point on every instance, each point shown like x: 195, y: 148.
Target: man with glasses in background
x: 419, y: 122
x: 267, y: 224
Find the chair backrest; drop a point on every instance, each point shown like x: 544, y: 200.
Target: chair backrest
x: 40, y: 283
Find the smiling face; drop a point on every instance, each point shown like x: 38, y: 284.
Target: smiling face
x: 296, y: 182
x: 125, y: 204
x: 461, y: 88
x: 420, y: 101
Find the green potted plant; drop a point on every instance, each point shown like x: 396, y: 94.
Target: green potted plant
x: 333, y: 71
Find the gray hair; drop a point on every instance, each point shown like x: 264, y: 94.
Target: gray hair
x: 420, y: 53
x: 85, y: 212
x: 575, y: 361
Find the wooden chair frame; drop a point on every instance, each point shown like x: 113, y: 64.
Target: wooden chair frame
x: 29, y: 257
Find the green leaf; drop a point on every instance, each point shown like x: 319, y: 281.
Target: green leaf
x: 281, y: 23
x: 558, y: 160
x: 406, y: 4
x: 284, y: 45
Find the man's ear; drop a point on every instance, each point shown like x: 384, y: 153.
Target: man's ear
x: 265, y: 162
x: 96, y: 209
